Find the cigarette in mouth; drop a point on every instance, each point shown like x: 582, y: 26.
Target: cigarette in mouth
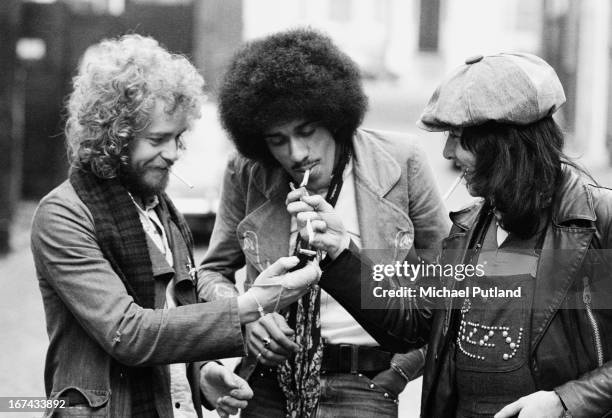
x: 307, y: 252
x: 305, y: 179
x: 182, y: 179
x: 453, y: 186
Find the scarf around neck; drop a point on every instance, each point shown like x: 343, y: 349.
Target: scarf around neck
x: 123, y: 242
x: 120, y: 234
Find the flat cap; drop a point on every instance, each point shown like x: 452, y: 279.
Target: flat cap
x: 514, y: 88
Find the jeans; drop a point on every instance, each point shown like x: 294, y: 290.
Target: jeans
x: 342, y: 395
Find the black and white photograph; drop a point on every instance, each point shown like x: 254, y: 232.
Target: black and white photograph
x: 306, y: 208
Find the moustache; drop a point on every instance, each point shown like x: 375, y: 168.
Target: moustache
x: 304, y: 165
x: 158, y: 166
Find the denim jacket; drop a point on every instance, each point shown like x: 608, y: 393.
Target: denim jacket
x: 398, y: 207
x: 96, y: 329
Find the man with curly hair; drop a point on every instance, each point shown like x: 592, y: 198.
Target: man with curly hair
x: 293, y: 103
x: 114, y: 258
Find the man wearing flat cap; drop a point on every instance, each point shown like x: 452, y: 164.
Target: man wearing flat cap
x: 540, y: 231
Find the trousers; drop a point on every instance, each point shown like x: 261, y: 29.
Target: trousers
x: 342, y: 395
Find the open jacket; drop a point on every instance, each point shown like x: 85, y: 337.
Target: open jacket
x: 99, y: 335
x: 397, y: 201
x: 571, y: 324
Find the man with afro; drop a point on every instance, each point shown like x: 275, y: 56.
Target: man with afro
x: 114, y: 259
x: 293, y: 104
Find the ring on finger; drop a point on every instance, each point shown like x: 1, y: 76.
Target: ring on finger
x: 266, y: 342
x: 259, y: 356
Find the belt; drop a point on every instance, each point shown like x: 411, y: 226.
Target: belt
x: 345, y: 358
x: 349, y: 358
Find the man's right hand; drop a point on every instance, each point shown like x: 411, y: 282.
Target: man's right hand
x: 269, y: 339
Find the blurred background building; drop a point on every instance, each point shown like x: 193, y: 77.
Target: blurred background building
x: 412, y: 43
x: 404, y: 48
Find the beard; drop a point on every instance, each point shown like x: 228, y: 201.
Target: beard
x: 144, y: 181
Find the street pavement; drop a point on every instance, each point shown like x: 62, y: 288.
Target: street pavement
x: 23, y: 337
x: 393, y: 106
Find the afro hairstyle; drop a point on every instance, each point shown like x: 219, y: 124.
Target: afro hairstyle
x: 293, y: 75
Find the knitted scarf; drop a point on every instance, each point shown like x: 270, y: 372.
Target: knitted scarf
x: 123, y: 242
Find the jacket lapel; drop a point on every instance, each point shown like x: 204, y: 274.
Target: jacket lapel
x: 183, y: 280
x: 184, y: 286
x: 563, y: 251
x: 455, y: 248
x: 376, y: 173
x: 264, y: 241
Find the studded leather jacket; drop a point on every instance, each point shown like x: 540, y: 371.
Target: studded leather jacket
x: 570, y: 343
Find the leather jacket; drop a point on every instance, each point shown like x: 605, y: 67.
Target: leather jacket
x: 571, y: 325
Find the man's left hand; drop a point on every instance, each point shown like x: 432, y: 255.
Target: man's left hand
x: 542, y: 404
x: 226, y: 391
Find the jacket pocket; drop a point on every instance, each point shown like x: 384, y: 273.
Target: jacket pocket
x: 94, y: 403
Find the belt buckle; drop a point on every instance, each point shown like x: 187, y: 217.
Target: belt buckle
x: 351, y: 352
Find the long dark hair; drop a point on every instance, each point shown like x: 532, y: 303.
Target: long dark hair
x: 518, y: 168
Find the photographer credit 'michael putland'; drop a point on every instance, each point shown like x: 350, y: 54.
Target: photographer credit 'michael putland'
x: 410, y: 271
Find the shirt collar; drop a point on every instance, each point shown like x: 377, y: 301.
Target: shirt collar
x: 149, y: 203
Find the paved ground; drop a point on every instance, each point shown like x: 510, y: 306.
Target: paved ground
x: 23, y: 338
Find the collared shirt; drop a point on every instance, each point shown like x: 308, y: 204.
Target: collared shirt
x: 153, y: 226
x: 180, y: 391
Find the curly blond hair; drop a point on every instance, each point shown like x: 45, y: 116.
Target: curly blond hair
x: 115, y: 90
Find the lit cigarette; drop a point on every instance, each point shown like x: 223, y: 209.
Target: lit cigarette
x: 307, y: 252
x: 310, y: 232
x: 182, y: 179
x: 305, y: 179
x: 453, y: 186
